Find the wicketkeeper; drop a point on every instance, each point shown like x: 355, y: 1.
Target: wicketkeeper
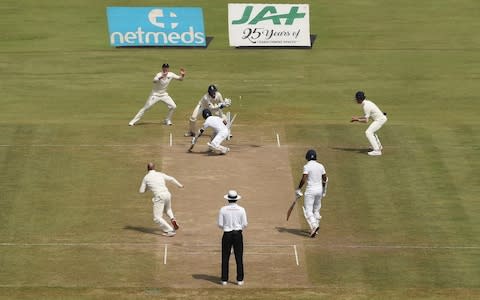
x: 212, y: 100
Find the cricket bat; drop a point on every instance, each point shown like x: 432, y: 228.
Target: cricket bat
x: 290, y: 209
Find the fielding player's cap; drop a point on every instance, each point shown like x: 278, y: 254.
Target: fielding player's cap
x: 165, y: 66
x: 360, y: 95
x: 232, y: 196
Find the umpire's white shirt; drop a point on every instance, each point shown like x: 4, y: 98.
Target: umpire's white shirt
x: 160, y: 83
x: 314, y: 170
x: 216, y: 123
x: 372, y: 111
x: 155, y: 181
x: 232, y: 217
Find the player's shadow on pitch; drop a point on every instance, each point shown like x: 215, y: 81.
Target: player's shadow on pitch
x: 358, y: 150
x: 294, y: 231
x: 142, y: 229
x: 150, y: 124
x: 206, y: 277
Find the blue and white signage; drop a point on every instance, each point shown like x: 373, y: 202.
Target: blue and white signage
x: 156, y: 26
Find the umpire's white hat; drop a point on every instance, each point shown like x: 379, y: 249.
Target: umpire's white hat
x: 232, y: 196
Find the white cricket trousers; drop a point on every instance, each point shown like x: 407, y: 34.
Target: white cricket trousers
x: 162, y: 204
x: 312, y: 202
x: 217, y: 141
x: 371, y: 136
x: 152, y: 99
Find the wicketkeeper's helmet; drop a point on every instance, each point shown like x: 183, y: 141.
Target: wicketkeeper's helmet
x: 311, y: 155
x: 359, y: 95
x: 212, y: 89
x: 206, y: 113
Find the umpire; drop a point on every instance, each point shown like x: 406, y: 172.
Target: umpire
x: 232, y: 219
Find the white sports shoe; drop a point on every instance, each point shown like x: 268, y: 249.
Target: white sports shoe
x: 224, y: 283
x: 169, y: 234
x: 168, y: 122
x: 240, y: 282
x: 375, y: 153
x: 131, y: 124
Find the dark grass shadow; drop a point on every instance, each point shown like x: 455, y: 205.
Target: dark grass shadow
x: 149, y: 124
x: 206, y: 277
x: 294, y: 231
x: 358, y: 150
x: 143, y: 229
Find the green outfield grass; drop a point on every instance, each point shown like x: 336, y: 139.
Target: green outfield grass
x: 401, y: 226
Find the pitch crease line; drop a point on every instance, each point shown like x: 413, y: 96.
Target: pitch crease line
x: 6, y: 244
x: 395, y: 247
x: 165, y: 254
x: 296, y: 254
x: 82, y: 145
x: 246, y: 245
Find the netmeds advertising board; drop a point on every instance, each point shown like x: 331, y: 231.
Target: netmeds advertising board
x: 156, y: 26
x: 268, y: 25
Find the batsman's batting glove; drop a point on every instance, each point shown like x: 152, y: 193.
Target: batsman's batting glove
x: 298, y: 193
x: 222, y: 106
x: 227, y: 102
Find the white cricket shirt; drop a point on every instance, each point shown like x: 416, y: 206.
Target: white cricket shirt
x: 232, y: 217
x: 211, y: 103
x: 155, y: 181
x: 314, y: 170
x: 161, y: 82
x: 216, y: 123
x: 372, y: 111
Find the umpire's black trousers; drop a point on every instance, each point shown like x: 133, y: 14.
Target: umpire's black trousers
x: 232, y: 238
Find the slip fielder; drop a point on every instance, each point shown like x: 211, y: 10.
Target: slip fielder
x: 159, y: 93
x: 379, y: 118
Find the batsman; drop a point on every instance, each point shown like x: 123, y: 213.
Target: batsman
x: 221, y: 130
x: 315, y: 176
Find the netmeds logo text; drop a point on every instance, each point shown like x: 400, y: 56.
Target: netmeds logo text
x: 150, y: 26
